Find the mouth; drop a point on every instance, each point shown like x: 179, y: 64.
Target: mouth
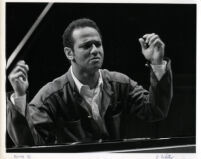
x: 95, y: 59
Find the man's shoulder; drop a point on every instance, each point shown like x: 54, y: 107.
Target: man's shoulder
x: 115, y: 76
x: 57, y: 84
x: 51, y: 88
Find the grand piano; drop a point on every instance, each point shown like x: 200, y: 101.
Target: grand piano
x: 135, y: 145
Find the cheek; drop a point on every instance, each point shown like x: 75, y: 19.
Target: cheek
x: 102, y: 52
x: 81, y: 56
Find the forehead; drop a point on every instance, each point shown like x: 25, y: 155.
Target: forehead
x: 85, y: 33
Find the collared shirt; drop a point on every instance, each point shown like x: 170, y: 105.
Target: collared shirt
x: 91, y: 96
x: 93, y: 99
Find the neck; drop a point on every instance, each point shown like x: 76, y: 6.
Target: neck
x: 86, y: 77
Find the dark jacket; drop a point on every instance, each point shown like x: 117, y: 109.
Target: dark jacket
x: 58, y: 114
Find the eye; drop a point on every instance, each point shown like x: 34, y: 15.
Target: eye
x: 87, y: 45
x: 97, y: 43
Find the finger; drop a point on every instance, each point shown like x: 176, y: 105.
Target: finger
x: 158, y: 43
x: 19, y: 80
x: 22, y: 80
x: 18, y: 83
x: 18, y: 75
x: 142, y: 43
x: 23, y: 64
x: 147, y: 37
x: 18, y: 69
x: 153, y: 38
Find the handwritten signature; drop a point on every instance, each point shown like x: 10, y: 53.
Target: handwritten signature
x: 22, y: 156
x: 164, y: 156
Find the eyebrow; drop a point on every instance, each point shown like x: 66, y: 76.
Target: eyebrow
x: 91, y: 42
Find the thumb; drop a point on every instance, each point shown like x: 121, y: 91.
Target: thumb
x: 142, y: 43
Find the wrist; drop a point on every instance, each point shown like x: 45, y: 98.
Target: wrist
x: 157, y: 62
x: 19, y: 94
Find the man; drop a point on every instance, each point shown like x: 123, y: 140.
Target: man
x: 87, y: 103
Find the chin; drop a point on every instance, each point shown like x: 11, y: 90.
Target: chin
x: 99, y: 66
x: 95, y: 68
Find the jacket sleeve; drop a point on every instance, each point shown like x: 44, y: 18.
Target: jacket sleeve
x: 17, y: 126
x: 20, y: 127
x: 152, y: 105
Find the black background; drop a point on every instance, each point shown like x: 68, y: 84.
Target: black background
x: 121, y: 25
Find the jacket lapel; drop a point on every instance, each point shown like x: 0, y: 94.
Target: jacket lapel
x: 77, y: 99
x: 106, y: 94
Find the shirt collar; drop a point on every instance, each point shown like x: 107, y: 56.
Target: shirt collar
x: 79, y: 85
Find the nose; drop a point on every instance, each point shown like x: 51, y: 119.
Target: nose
x: 94, y: 49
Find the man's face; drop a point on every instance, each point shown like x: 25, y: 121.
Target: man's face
x: 88, y: 49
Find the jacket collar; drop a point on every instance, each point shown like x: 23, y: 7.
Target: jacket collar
x: 106, y: 91
x: 106, y: 84
x: 79, y: 85
x: 71, y: 81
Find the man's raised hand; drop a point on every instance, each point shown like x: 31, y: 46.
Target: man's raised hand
x: 19, y: 78
x: 152, y: 48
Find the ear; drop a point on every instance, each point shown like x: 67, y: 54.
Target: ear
x: 69, y: 53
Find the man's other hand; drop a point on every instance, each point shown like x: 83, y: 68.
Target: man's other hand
x: 19, y: 78
x: 152, y: 48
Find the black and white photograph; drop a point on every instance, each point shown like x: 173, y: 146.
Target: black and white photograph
x: 100, y: 77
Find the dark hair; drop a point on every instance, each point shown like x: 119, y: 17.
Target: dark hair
x: 79, y: 23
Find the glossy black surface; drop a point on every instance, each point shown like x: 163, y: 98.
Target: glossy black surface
x: 171, y: 145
